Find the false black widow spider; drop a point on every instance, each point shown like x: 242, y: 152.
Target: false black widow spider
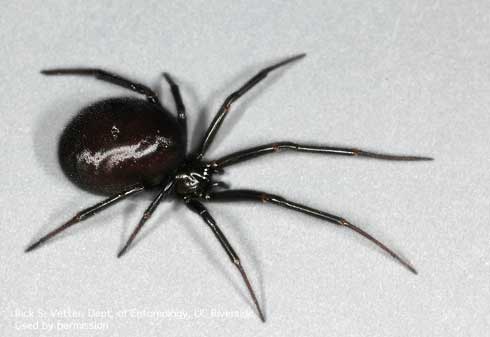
x: 123, y: 146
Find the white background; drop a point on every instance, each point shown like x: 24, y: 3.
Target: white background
x: 402, y: 77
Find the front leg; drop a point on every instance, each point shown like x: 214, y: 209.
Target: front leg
x: 261, y: 150
x: 258, y: 196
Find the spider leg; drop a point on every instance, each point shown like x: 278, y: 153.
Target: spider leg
x: 221, y: 114
x: 149, y: 211
x: 199, y: 208
x: 250, y: 195
x: 179, y: 103
x: 86, y: 213
x: 106, y: 77
x: 261, y: 150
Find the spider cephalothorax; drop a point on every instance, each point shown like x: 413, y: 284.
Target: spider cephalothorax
x: 141, y: 146
x: 193, y: 180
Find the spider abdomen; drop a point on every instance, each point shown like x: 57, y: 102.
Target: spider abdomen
x: 116, y: 143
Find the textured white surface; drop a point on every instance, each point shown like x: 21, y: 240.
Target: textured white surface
x: 408, y: 78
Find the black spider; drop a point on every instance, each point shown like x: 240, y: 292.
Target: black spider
x: 122, y: 146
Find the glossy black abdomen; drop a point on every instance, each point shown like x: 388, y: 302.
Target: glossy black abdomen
x: 116, y: 143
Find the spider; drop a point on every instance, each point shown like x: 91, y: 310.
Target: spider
x: 122, y: 146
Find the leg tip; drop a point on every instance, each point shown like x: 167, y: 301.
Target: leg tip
x: 384, y: 156
x: 168, y: 78
x: 406, y: 264
x: 31, y: 247
x: 295, y: 57
x: 122, y: 252
x: 416, y: 158
x: 413, y: 270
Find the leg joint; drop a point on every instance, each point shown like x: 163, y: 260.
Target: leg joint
x: 343, y: 222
